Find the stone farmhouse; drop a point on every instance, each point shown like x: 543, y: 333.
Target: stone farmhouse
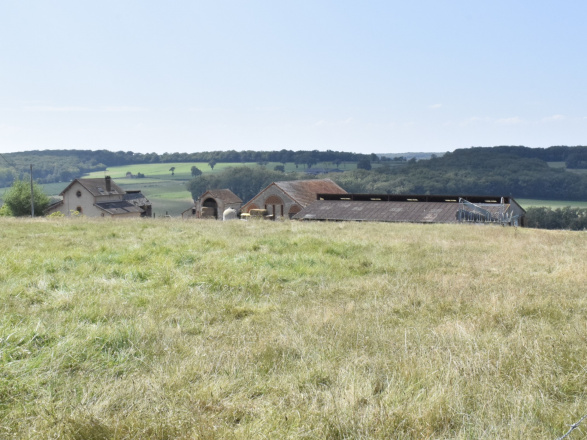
x: 287, y: 198
x: 100, y: 198
x: 212, y: 204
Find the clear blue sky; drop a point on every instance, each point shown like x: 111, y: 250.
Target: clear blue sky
x: 365, y: 76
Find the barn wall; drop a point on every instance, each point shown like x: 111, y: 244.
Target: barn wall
x: 271, y: 191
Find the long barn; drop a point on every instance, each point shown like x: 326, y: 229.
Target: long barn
x: 414, y: 209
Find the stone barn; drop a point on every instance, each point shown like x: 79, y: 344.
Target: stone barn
x: 213, y: 203
x: 287, y: 198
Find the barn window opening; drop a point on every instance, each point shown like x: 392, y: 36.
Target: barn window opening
x: 79, y: 209
x: 78, y: 193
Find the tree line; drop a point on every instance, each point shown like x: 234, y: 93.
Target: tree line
x: 574, y: 219
x: 473, y: 171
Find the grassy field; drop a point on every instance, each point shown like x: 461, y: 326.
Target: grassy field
x: 563, y: 165
x: 529, y: 203
x: 183, y: 170
x: 165, y: 329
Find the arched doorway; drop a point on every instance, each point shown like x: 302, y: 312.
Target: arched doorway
x: 274, y: 205
x: 212, y: 206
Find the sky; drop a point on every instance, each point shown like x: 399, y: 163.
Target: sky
x: 363, y: 76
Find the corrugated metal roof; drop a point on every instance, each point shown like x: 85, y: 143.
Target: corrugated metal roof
x: 115, y: 208
x: 383, y: 211
x: 223, y: 194
x: 304, y: 191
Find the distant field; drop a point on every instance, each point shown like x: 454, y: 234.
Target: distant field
x: 527, y: 203
x: 183, y: 170
x: 556, y: 164
x: 171, y: 329
x: 562, y: 165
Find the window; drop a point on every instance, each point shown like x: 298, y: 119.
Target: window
x: 78, y: 193
x: 79, y: 209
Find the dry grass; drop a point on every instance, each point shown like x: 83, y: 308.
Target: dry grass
x: 179, y: 330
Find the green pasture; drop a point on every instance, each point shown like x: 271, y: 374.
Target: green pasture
x: 563, y: 165
x: 532, y: 203
x: 183, y: 170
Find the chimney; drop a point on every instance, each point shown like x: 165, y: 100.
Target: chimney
x: 108, y: 184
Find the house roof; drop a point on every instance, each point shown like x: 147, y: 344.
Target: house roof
x: 304, y: 192
x: 97, y: 187
x: 54, y: 205
x: 136, y: 196
x: 117, y: 208
x: 388, y: 211
x: 223, y: 194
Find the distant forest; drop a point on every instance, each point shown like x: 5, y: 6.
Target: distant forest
x: 505, y: 170
x: 512, y: 171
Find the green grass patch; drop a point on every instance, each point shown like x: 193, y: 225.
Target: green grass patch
x: 529, y: 203
x: 162, y: 328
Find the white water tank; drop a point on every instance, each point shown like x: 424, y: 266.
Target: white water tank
x: 229, y: 214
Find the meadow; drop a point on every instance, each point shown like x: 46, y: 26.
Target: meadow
x: 531, y: 203
x: 170, y: 329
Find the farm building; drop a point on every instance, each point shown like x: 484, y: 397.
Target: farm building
x: 414, y: 209
x: 100, y: 198
x: 213, y: 203
x: 287, y: 198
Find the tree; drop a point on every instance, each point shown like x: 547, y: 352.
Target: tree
x: 196, y: 171
x: 279, y: 168
x: 212, y: 163
x: 364, y: 164
x: 172, y: 169
x: 18, y: 199
x: 245, y: 182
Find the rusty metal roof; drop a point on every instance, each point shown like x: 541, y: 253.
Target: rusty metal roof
x: 116, y: 208
x: 304, y: 192
x: 386, y: 211
x: 225, y: 195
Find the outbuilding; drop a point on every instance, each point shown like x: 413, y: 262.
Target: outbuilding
x: 415, y: 209
x: 212, y: 204
x: 287, y: 198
